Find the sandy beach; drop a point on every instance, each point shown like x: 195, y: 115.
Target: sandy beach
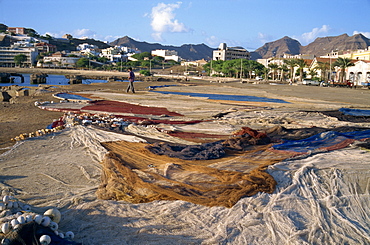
x: 320, y: 197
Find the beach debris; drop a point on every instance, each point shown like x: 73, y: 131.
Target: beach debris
x: 19, y: 223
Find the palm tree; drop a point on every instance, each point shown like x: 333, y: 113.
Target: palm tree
x: 283, y: 69
x: 301, y: 64
x: 313, y: 73
x: 274, y: 67
x: 323, y: 67
x: 291, y: 63
x: 343, y: 63
x: 265, y: 71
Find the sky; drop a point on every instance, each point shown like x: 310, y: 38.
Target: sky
x: 246, y: 23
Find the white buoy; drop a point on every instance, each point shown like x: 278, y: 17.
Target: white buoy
x: 5, y: 241
x: 6, y: 199
x: 26, y: 208
x: 45, y: 240
x: 9, y: 205
x: 61, y: 235
x: 53, y: 226
x: 5, y: 228
x: 21, y: 220
x: 29, y: 218
x: 54, y: 214
x: 69, y: 235
x: 14, y: 222
x: 45, y: 221
x: 38, y: 218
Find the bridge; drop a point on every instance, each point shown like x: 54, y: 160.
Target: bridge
x: 38, y: 75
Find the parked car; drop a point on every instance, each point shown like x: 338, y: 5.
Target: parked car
x: 311, y: 82
x: 346, y: 83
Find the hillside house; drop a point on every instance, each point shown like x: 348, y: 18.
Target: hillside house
x: 17, y: 30
x: 166, y: 54
x: 58, y: 59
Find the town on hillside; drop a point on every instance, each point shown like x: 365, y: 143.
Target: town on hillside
x: 23, y: 47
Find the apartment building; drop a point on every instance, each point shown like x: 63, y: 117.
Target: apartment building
x: 230, y: 53
x: 7, y: 55
x: 17, y: 30
x: 362, y: 54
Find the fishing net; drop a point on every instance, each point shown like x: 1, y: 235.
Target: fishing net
x: 210, y: 174
x: 30, y: 233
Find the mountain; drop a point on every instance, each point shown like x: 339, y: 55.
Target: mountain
x: 278, y: 48
x: 324, y: 45
x: 186, y: 51
x: 321, y: 46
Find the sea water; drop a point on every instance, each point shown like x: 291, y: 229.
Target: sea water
x: 50, y: 80
x: 225, y: 97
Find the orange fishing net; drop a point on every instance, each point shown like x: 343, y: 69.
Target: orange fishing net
x: 133, y: 173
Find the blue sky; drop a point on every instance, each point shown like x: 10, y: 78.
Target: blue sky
x: 246, y: 23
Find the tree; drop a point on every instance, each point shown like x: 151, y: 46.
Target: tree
x: 323, y: 67
x: 343, y: 63
x: 301, y: 65
x: 142, y: 56
x: 31, y: 32
x: 283, y: 69
x: 145, y: 72
x: 253, y: 66
x: 83, y: 62
x: 19, y: 59
x: 274, y: 67
x: 313, y: 74
x: 266, y: 71
x: 291, y: 63
x: 3, y: 28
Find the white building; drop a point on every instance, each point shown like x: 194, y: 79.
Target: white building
x: 58, y: 61
x: 359, y: 74
x: 87, y: 49
x: 166, y: 54
x: 230, y: 53
x: 113, y: 54
x: 7, y: 55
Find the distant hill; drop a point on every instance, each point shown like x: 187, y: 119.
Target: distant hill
x: 74, y: 42
x: 324, y: 45
x: 321, y: 46
x: 285, y: 45
x: 186, y: 51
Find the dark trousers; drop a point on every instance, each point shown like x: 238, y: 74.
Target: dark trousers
x: 130, y: 86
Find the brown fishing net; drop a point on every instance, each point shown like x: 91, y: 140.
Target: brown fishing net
x: 211, y: 174
x: 133, y: 173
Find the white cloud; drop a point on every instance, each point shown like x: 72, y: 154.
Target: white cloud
x: 163, y: 20
x: 84, y: 33
x: 366, y: 34
x: 212, y: 41
x: 309, y: 37
x: 264, y: 38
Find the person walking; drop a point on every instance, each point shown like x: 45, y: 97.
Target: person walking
x: 131, y: 79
